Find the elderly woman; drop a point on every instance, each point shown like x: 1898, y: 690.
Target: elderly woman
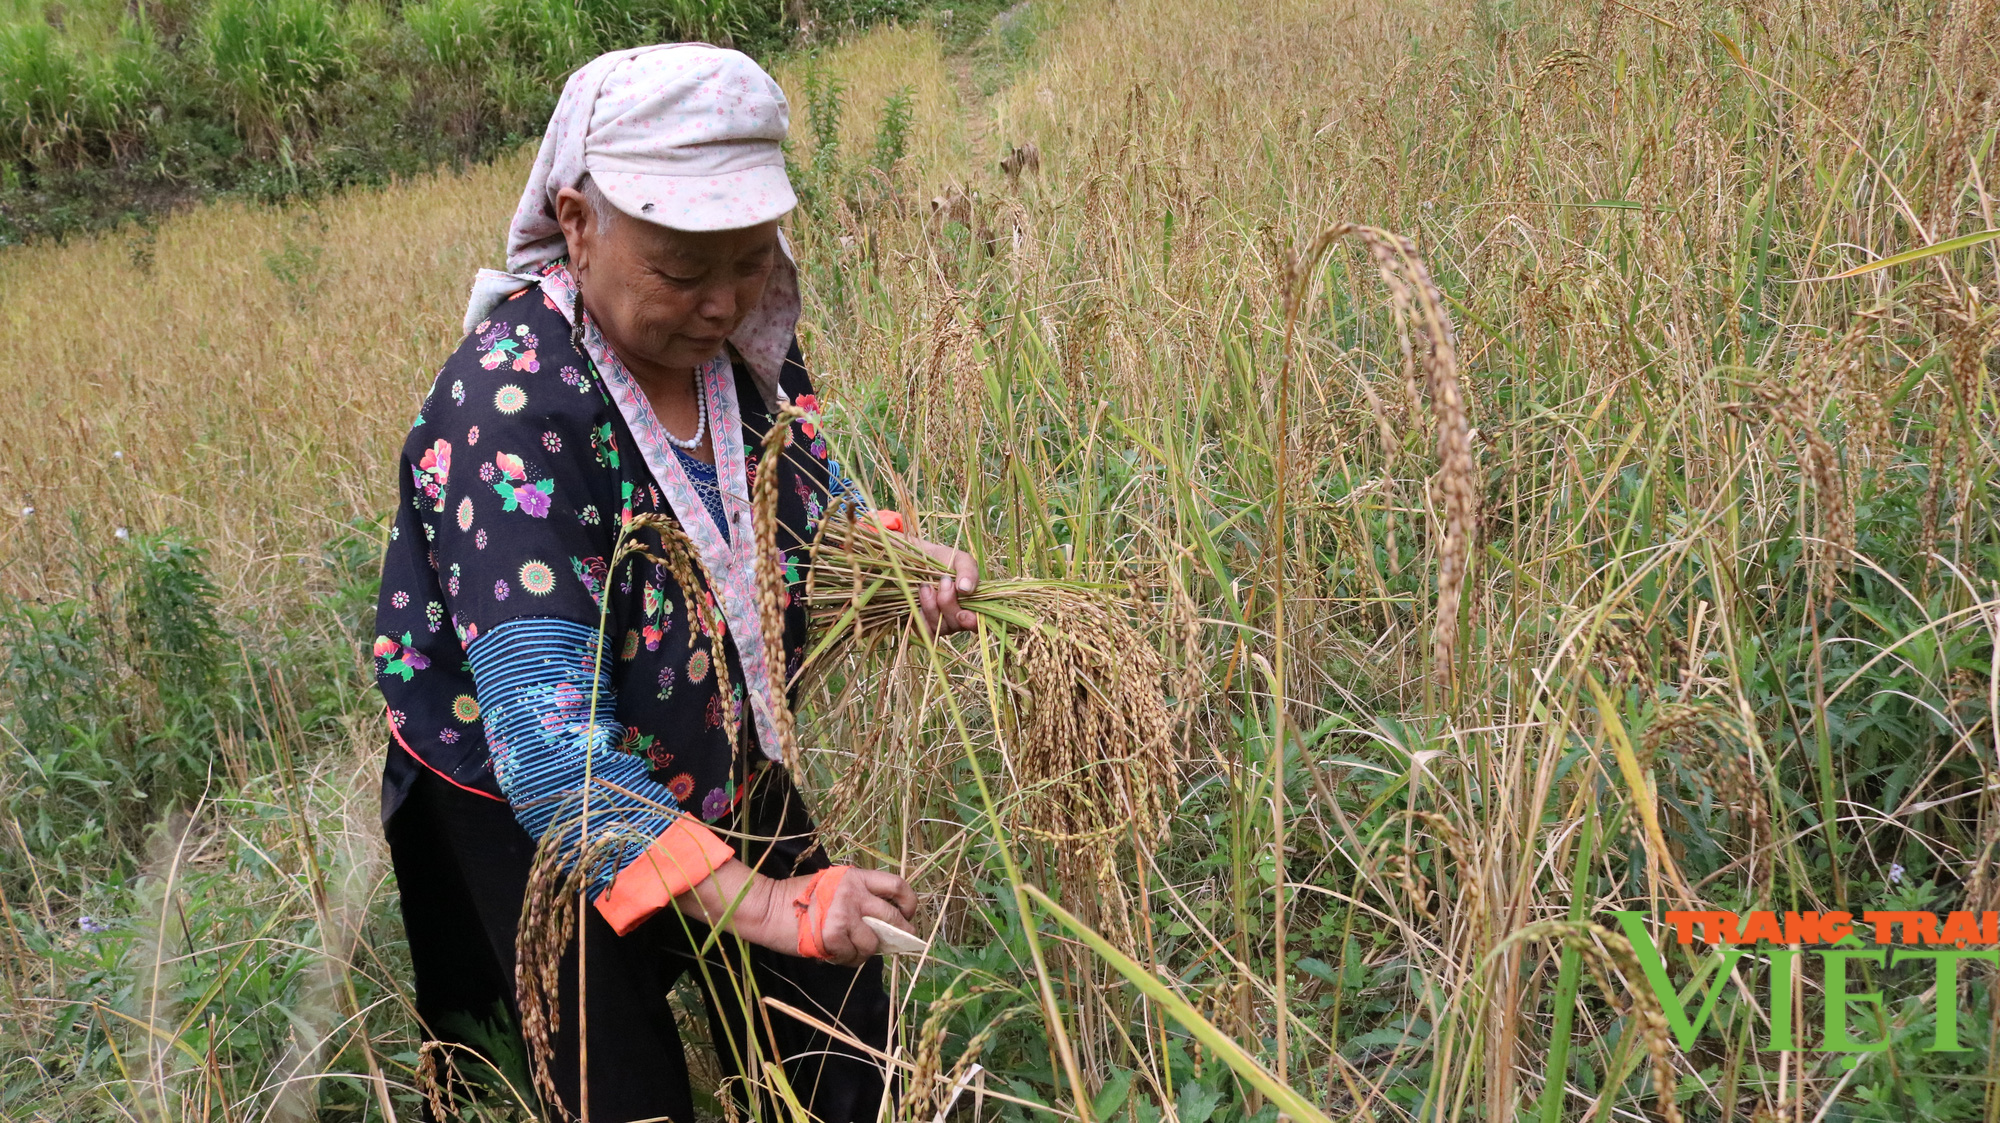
x: 629, y: 362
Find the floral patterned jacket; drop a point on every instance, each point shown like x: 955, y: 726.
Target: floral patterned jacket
x: 527, y: 457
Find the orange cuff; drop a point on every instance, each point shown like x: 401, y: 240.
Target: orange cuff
x: 811, y: 905
x: 676, y: 862
x: 889, y: 520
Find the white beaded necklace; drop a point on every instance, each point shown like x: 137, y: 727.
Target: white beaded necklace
x: 700, y: 410
x: 577, y: 313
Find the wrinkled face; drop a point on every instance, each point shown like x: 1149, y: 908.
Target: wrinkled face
x: 664, y: 299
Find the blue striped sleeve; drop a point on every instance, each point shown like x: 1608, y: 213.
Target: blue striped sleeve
x: 533, y: 679
x: 840, y: 485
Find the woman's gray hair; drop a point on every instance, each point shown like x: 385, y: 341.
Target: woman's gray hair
x: 599, y: 205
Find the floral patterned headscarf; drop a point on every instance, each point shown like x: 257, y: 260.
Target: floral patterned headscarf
x: 684, y: 135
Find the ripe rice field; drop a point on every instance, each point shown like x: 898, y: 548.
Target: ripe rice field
x: 1550, y: 448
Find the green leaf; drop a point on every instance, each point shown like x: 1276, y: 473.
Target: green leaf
x: 1319, y: 970
x: 1112, y: 1096
x: 1023, y: 1091
x: 1196, y: 1102
x: 1374, y: 1038
x: 546, y: 487
x: 1917, y: 254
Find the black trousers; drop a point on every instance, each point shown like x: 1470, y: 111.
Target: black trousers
x: 461, y: 866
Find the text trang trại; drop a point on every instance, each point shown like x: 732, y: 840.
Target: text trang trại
x: 1900, y: 936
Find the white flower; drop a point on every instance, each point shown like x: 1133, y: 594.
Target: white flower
x: 1896, y: 872
x: 121, y: 534
x: 117, y: 456
x: 26, y: 511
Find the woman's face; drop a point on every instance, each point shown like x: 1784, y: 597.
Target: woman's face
x: 665, y: 299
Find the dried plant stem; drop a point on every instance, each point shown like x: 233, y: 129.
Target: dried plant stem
x: 1420, y: 311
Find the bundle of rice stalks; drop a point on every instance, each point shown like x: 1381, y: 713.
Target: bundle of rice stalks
x: 1083, y: 717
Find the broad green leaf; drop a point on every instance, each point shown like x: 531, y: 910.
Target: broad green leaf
x: 1917, y: 254
x: 1112, y: 1096
x: 1319, y: 970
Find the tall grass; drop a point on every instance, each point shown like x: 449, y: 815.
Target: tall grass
x: 1726, y: 635
x: 455, y: 33
x: 273, y: 57
x: 63, y: 96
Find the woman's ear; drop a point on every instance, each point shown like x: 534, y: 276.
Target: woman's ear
x: 573, y: 215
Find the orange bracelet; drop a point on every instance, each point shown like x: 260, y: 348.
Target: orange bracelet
x: 889, y: 520
x: 812, y: 905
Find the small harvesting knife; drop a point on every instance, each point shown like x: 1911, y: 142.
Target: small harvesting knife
x: 895, y: 941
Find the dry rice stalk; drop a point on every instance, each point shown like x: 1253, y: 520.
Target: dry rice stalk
x: 683, y: 562
x: 1091, y: 732
x: 437, y: 1075
x: 548, y: 920
x: 1421, y: 319
x: 1972, y: 329
x: 1602, y: 949
x: 548, y: 924
x: 1793, y: 404
x: 1096, y: 737
x: 1966, y: 326
x: 548, y: 908
x: 928, y: 1088
x: 771, y: 579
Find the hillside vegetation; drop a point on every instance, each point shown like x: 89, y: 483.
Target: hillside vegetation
x: 113, y: 110
x: 1652, y: 564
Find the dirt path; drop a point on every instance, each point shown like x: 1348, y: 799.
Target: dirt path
x: 976, y: 105
x: 975, y: 69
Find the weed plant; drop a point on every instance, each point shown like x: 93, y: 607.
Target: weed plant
x: 115, y: 703
x: 271, y: 58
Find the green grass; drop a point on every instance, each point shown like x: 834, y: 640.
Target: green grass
x: 63, y: 97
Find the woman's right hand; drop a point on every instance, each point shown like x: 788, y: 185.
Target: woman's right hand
x: 938, y: 604
x: 768, y: 915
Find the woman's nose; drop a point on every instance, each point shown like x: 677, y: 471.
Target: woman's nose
x: 718, y: 302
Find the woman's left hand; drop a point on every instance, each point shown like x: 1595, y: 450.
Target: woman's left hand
x: 939, y: 602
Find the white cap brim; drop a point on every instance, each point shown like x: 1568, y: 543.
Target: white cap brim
x: 731, y: 201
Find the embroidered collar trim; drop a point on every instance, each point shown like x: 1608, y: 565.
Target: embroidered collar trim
x: 732, y: 562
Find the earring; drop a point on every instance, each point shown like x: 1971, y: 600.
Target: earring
x: 576, y: 324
